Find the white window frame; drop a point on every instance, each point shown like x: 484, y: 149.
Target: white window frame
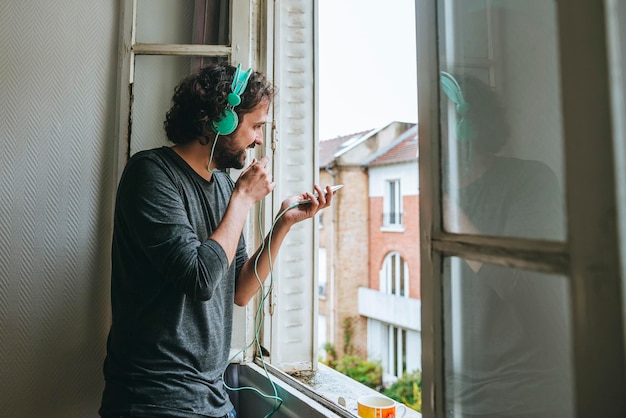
x: 393, y: 262
x: 589, y: 257
x: 392, y: 204
x: 393, y: 368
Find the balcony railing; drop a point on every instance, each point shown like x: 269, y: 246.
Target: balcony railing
x: 392, y: 218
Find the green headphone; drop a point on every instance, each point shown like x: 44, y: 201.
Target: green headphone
x: 229, y: 120
x: 452, y: 89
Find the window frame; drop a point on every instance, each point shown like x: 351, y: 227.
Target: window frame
x: 396, y: 352
x: 393, y: 204
x: 394, y: 262
x: 589, y: 257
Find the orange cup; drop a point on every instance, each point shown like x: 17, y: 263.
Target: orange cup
x: 379, y: 406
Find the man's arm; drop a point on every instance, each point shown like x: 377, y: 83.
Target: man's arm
x: 257, y: 268
x: 254, y: 183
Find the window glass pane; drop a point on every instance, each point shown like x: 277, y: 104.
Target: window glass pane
x: 392, y: 202
x: 322, y: 338
x: 183, y: 22
x: 394, y: 273
x: 149, y: 103
x: 502, y: 165
x: 507, y: 342
x: 403, y: 354
x: 323, y: 272
x: 403, y: 278
x: 396, y: 349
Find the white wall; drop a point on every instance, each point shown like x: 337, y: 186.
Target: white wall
x: 57, y: 134
x: 406, y: 172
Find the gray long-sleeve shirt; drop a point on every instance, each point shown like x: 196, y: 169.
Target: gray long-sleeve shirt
x: 172, y: 291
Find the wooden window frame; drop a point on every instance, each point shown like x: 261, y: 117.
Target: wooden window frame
x: 589, y: 258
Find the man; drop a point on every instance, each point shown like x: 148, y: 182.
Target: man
x: 179, y: 258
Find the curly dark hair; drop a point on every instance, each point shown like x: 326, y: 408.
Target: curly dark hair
x: 201, y: 98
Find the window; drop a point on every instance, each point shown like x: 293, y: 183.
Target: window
x: 372, y: 150
x: 395, y: 275
x: 500, y: 235
x: 559, y: 255
x: 393, y: 204
x: 395, y: 361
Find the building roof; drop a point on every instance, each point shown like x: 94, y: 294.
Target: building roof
x: 330, y: 148
x: 402, y: 149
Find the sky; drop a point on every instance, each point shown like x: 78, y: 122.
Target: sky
x: 367, y: 65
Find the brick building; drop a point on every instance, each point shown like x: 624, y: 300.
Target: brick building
x: 391, y: 300
x: 370, y: 231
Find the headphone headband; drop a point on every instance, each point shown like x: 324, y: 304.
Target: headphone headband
x: 452, y: 89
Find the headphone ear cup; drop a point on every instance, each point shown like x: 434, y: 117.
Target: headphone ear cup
x: 229, y: 120
x: 227, y: 124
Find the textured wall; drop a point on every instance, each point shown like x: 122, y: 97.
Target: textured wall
x: 57, y: 135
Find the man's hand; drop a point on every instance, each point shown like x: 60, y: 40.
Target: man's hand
x: 255, y: 181
x: 302, y: 211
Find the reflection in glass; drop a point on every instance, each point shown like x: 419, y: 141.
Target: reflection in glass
x: 507, y: 342
x: 486, y: 192
x: 501, y: 136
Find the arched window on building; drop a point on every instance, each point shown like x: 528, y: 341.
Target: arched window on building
x: 394, y: 275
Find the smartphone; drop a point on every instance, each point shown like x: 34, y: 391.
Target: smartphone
x: 333, y: 188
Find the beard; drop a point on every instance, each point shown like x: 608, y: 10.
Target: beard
x: 226, y: 156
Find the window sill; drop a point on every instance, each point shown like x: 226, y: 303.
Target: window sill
x: 310, y: 394
x: 392, y: 228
